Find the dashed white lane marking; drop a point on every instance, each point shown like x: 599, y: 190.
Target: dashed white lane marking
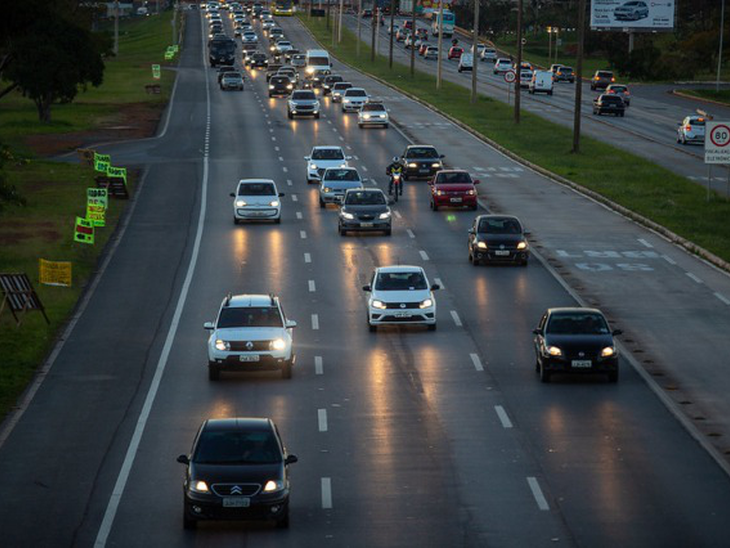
x: 299, y: 215
x: 281, y: 158
x: 315, y: 322
x: 273, y: 138
x: 503, y: 418
x: 271, y: 130
x: 294, y: 198
x: 329, y: 122
x: 693, y: 277
x: 341, y: 138
x: 669, y: 259
x: 277, y: 149
x: 439, y: 282
x: 423, y: 254
x: 268, y: 122
x: 303, y: 234
x: 476, y: 361
x: 289, y: 182
x: 348, y: 147
x: 456, y: 318
x: 723, y: 298
x: 318, y: 366
x: 397, y: 214
x: 537, y: 493
x: 326, y: 493
x: 285, y: 169
x: 643, y: 242
x: 322, y: 419
x: 410, y: 233
x: 364, y: 168
x: 312, y: 286
x: 355, y: 157
x: 307, y: 258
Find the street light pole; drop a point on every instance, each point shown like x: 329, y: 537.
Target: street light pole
x: 719, y: 53
x: 339, y: 25
x: 392, y: 33
x: 359, y: 26
x: 372, y: 40
x: 579, y: 76
x: 116, y: 27
x: 518, y: 68
x: 474, y: 60
x: 440, y: 44
x: 413, y: 40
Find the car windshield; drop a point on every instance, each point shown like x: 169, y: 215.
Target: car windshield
x: 236, y: 447
x: 333, y: 79
x: 341, y: 175
x: 355, y: 93
x: 303, y: 95
x: 500, y: 225
x: 319, y: 61
x: 328, y: 154
x: 373, y: 107
x: 256, y: 189
x: 254, y: 316
x: 602, y: 74
x: 565, y: 69
x: 259, y: 56
x: 577, y: 323
x: 364, y: 198
x: 234, y: 75
x: 400, y: 281
x: 619, y: 89
x: 280, y: 80
x: 453, y: 177
x: 422, y: 152
x: 696, y: 122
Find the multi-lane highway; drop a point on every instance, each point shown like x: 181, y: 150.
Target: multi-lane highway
x: 404, y: 437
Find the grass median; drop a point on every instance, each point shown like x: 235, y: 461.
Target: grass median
x: 722, y: 96
x: 56, y: 192
x: 633, y: 182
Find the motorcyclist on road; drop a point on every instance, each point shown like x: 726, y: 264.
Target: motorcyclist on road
x: 395, y: 167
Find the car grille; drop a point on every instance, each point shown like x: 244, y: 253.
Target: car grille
x: 236, y: 489
x: 575, y: 354
x: 242, y: 346
x: 301, y: 108
x: 366, y: 217
x: 410, y: 319
x: 400, y: 305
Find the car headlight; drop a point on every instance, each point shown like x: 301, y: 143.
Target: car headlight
x: 436, y: 164
x: 378, y: 304
x: 274, y: 203
x: 289, y: 87
x: 426, y: 303
x: 366, y: 117
x: 240, y: 203
x: 271, y: 86
x: 554, y: 351
x: 199, y: 487
x: 439, y: 193
x: 522, y: 245
x: 384, y: 215
x: 313, y: 166
x: 277, y: 344
x: 326, y: 189
x: 273, y: 486
x: 310, y: 70
x: 608, y: 352
x: 346, y: 215
x: 343, y: 164
x: 470, y: 192
x: 222, y: 345
x: 413, y: 164
x: 482, y: 245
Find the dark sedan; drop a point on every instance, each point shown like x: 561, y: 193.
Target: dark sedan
x: 609, y: 104
x: 575, y: 340
x: 237, y: 470
x: 365, y: 209
x: 280, y: 85
x: 259, y: 60
x: 498, y: 238
x: 329, y: 82
x: 421, y: 161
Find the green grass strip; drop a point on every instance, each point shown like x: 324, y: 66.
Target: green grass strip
x: 722, y: 96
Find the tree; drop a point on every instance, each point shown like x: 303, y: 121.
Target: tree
x: 52, y: 61
x: 9, y: 195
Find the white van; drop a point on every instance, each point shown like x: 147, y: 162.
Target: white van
x: 542, y: 81
x: 318, y: 60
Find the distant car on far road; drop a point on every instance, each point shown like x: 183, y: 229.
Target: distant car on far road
x: 541, y: 82
x: 502, y: 65
x: 554, y: 68
x: 488, y: 54
x: 432, y: 52
x: 455, y: 52
x: 466, y: 62
x: 602, y: 79
x: 621, y: 90
x: 565, y: 74
x: 691, y: 131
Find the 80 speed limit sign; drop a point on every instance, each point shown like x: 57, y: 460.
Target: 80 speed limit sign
x: 717, y: 142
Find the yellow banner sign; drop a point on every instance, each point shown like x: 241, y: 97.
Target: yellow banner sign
x: 54, y: 272
x: 96, y: 213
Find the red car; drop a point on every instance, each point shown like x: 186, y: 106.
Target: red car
x: 422, y: 49
x: 454, y: 188
x: 455, y: 52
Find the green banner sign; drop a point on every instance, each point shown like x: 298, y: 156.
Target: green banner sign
x: 101, y: 166
x: 117, y: 172
x: 156, y: 72
x: 102, y: 157
x: 97, y: 196
x: 169, y: 55
x: 84, y: 231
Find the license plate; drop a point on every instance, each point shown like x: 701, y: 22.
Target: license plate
x: 236, y: 502
x: 366, y: 225
x: 249, y: 358
x: 581, y: 364
x: 455, y: 200
x: 501, y: 252
x: 256, y: 213
x: 423, y: 170
x: 402, y: 314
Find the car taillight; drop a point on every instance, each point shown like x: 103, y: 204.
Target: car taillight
x: 610, y: 91
x: 688, y: 128
x: 596, y: 78
x: 613, y: 79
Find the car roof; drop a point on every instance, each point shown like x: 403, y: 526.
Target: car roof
x: 368, y: 190
x: 239, y: 423
x: 356, y: 89
x: 247, y: 301
x: 398, y: 269
x: 440, y: 171
x: 497, y: 216
x: 327, y: 147
x: 341, y: 169
x: 573, y: 309
x: 242, y: 181
x: 419, y: 146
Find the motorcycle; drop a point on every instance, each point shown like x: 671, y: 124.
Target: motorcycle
x: 396, y: 184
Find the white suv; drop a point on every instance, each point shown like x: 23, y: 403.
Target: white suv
x: 250, y: 333
x: 401, y: 295
x: 353, y: 99
x: 324, y: 157
x: 502, y: 65
x: 256, y: 199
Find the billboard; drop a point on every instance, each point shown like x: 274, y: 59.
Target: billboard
x: 646, y: 15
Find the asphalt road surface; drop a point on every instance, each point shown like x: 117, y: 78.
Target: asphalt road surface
x: 405, y: 437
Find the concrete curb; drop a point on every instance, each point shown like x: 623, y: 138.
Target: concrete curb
x: 700, y: 99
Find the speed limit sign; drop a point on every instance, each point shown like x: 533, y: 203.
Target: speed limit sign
x: 717, y: 142
x: 510, y: 76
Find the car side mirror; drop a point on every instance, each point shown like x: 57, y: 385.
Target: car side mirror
x: 617, y: 332
x: 208, y: 325
x: 537, y: 331
x: 348, y: 157
x: 291, y: 459
x: 442, y: 156
x: 477, y: 182
x: 367, y: 288
x: 307, y: 157
x: 471, y: 231
x: 233, y: 195
x: 291, y: 324
x: 281, y: 194
x: 526, y: 232
x: 183, y: 459
x: 435, y: 287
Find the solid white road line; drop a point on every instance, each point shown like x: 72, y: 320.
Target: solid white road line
x: 503, y: 418
x: 643, y: 242
x: 118, y: 490
x: 318, y: 366
x: 307, y: 258
x: 456, y: 318
x: 477, y: 362
x: 312, y: 286
x: 315, y: 322
x: 326, y: 493
x: 303, y: 234
x: 410, y: 233
x: 693, y: 277
x: 723, y: 298
x: 542, y: 503
x: 423, y: 254
x: 669, y: 259
x: 322, y: 419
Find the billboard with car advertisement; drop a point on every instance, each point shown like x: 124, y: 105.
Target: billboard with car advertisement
x: 646, y: 15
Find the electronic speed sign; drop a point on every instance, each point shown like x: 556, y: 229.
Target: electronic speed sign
x: 717, y: 142
x: 510, y: 76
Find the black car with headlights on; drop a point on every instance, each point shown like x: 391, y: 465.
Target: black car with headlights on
x: 421, y: 161
x: 575, y: 340
x: 365, y: 209
x: 280, y: 85
x: 329, y: 82
x: 498, y: 238
x: 237, y: 470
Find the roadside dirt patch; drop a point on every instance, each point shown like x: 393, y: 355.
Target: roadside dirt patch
x: 12, y: 233
x: 132, y: 121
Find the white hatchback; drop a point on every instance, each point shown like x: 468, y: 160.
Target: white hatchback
x: 256, y: 199
x: 401, y: 295
x: 354, y: 99
x: 502, y: 65
x: 323, y: 157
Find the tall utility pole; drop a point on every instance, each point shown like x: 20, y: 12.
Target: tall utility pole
x: 359, y: 26
x: 518, y: 69
x: 334, y: 25
x: 339, y: 25
x: 174, y: 23
x: 372, y: 39
x: 413, y: 40
x: 440, y: 44
x: 474, y: 58
x: 719, y: 53
x: 329, y: 6
x: 392, y: 33
x: 116, y: 27
x: 376, y: 20
x: 579, y: 76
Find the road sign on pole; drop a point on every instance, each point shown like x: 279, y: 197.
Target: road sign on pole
x: 510, y: 76
x: 717, y: 142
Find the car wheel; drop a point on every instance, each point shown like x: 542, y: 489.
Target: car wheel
x: 432, y: 327
x: 341, y: 231
x: 359, y: 125
x: 321, y: 204
x: 544, y: 374
x: 537, y: 365
x: 550, y: 93
x: 235, y: 221
x: 277, y: 221
x: 316, y: 116
x: 613, y: 376
x: 372, y: 328
x: 523, y: 262
x: 286, y: 370
x: 289, y: 114
x: 283, y: 521
x: 622, y: 114
x: 434, y: 207
x: 189, y: 524
x: 475, y: 261
x: 214, y: 373
x: 385, y: 126
x: 474, y: 207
